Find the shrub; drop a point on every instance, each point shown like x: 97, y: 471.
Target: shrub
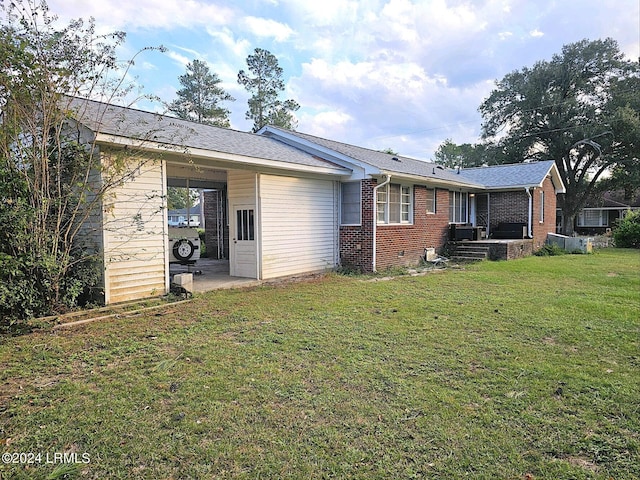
x: 203, y: 245
x: 627, y: 232
x: 550, y: 250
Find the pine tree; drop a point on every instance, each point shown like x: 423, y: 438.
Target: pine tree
x: 266, y: 84
x: 200, y: 97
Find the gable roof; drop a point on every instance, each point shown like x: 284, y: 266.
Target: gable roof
x: 500, y: 177
x: 614, y: 200
x: 515, y: 175
x: 118, y: 125
x: 372, y: 161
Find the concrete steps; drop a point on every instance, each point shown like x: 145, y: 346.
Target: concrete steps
x: 469, y: 251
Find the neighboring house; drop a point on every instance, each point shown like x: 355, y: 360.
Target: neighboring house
x: 602, y: 211
x: 282, y: 203
x: 178, y: 217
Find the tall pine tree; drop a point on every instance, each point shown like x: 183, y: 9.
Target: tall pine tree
x: 266, y: 84
x: 200, y: 97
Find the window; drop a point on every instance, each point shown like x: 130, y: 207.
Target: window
x: 395, y: 203
x: 593, y: 218
x: 541, y: 207
x: 245, y: 225
x: 431, y: 200
x: 350, y: 203
x: 458, y: 207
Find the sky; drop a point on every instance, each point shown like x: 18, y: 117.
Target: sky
x: 398, y: 74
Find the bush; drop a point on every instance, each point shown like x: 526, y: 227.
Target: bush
x: 627, y: 233
x: 203, y: 245
x: 550, y: 250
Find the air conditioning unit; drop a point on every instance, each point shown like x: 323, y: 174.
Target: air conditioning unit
x: 184, y: 246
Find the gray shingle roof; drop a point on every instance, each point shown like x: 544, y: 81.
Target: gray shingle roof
x: 385, y: 161
x: 131, y: 123
x: 511, y: 175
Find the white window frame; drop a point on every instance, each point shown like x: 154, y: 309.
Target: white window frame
x: 403, y: 202
x: 342, y: 203
x: 541, y: 206
x: 460, y: 199
x: 603, y: 218
x: 431, y: 202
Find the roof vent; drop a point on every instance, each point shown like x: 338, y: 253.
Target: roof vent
x: 395, y: 159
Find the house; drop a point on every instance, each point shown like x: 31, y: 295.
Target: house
x: 415, y: 203
x: 183, y: 217
x: 281, y: 203
x: 602, y: 211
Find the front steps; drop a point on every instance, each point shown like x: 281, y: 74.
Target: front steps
x: 469, y: 251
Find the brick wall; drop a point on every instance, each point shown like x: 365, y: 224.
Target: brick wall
x: 540, y: 230
x: 508, y: 207
x: 216, y: 229
x: 356, y: 241
x: 397, y: 245
x: 514, y: 207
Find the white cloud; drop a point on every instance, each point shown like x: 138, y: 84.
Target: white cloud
x: 262, y: 27
x: 536, y: 33
x: 119, y: 14
x: 176, y: 57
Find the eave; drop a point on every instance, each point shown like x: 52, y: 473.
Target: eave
x: 223, y: 159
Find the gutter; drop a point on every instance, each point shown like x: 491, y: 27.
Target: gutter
x: 530, y: 211
x: 375, y: 220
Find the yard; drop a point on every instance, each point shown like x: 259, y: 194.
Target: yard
x: 525, y: 369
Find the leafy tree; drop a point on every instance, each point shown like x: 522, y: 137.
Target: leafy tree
x: 200, y: 97
x: 266, y: 84
x: 389, y: 151
x: 627, y: 233
x: 46, y: 188
x: 177, y: 198
x: 580, y: 109
x: 452, y: 155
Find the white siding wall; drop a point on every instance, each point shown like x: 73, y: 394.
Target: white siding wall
x: 135, y: 241
x: 241, y: 187
x: 298, y: 219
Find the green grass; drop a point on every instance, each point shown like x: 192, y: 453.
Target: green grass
x: 511, y: 370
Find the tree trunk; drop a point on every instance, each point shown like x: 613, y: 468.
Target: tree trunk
x: 568, y: 222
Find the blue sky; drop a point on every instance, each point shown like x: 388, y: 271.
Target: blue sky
x: 400, y: 74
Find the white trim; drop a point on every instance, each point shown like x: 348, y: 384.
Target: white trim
x: 235, y: 159
x: 388, y: 212
x: 340, y: 204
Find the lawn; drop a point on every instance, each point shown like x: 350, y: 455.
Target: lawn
x: 526, y: 369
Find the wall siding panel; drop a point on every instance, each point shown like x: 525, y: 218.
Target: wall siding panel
x: 298, y: 225
x: 134, y: 236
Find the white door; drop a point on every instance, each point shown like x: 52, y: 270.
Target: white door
x: 244, y: 258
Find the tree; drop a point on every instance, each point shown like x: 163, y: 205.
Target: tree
x: 200, y: 97
x: 47, y: 192
x: 579, y: 109
x: 265, y: 108
x: 626, y: 233
x: 177, y: 198
x: 466, y: 155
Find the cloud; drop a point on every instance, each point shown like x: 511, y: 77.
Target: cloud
x: 262, y: 27
x: 149, y: 14
x: 536, y: 33
x: 176, y: 57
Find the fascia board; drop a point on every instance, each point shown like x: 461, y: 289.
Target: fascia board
x: 230, y: 158
x: 556, y: 179
x: 436, y: 182
x: 320, y: 151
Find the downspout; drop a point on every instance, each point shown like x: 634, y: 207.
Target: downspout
x: 528, y: 190
x: 488, y: 214
x: 375, y: 220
